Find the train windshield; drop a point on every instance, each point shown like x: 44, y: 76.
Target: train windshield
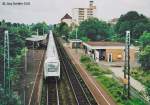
x: 53, y: 67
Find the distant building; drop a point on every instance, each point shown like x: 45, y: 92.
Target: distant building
x: 113, y: 21
x: 110, y: 51
x: 67, y: 19
x: 75, y: 43
x: 81, y: 14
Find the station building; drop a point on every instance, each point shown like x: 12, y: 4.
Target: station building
x: 75, y: 43
x: 109, y: 51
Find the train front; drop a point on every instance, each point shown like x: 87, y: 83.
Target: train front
x: 52, y: 68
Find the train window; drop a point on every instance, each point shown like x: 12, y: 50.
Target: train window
x: 53, y: 67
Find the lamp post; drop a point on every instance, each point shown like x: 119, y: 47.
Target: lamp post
x: 76, y: 38
x: 37, y: 32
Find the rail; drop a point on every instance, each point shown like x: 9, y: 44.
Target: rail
x: 76, y: 86
x: 52, y: 92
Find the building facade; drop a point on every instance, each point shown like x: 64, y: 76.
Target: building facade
x: 110, y: 51
x: 81, y: 14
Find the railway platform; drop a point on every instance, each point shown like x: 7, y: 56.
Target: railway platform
x: 101, y: 97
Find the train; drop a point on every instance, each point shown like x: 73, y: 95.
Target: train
x: 52, y: 62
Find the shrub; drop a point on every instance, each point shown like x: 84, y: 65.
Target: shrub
x: 85, y: 59
x: 94, y: 68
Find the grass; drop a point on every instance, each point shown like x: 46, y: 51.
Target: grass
x: 109, y: 84
x: 141, y: 75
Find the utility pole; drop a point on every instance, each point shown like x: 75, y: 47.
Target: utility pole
x: 25, y: 70
x: 76, y: 33
x: 6, y: 61
x: 127, y: 66
x: 76, y: 38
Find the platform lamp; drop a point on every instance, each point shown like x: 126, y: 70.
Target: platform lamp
x: 76, y: 38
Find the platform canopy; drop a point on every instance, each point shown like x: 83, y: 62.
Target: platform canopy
x: 75, y: 40
x: 36, y: 38
x: 106, y: 45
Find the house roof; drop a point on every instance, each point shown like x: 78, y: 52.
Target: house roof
x: 35, y: 38
x: 67, y: 16
x: 103, y: 43
x: 75, y: 40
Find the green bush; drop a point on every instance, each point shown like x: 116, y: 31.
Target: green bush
x: 111, y: 85
x: 115, y: 90
x: 85, y: 59
x: 96, y: 73
x: 94, y: 68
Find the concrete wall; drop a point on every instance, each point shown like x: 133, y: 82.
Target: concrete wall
x: 117, y: 54
x: 97, y: 55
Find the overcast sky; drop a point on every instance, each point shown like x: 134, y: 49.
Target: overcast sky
x: 51, y: 11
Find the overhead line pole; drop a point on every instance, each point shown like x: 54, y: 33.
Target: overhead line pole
x: 127, y: 65
x: 6, y: 61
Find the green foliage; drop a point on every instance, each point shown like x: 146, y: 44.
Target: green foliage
x: 94, y: 29
x: 145, y: 39
x: 41, y: 27
x: 148, y: 88
x: 92, y: 66
x: 142, y: 76
x: 145, y: 58
x: 111, y: 85
x: 136, y: 23
x: 17, y: 34
x: 62, y: 29
x: 85, y: 59
x: 6, y: 99
x: 85, y: 39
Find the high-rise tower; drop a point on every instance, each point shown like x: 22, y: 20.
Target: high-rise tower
x: 81, y: 14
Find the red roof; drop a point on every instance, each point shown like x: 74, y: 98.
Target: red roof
x: 67, y: 16
x: 103, y: 43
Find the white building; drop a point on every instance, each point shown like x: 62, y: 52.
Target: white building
x: 81, y: 14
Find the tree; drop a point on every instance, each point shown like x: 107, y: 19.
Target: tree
x: 6, y: 99
x: 62, y: 29
x: 136, y: 23
x: 145, y: 58
x: 148, y: 88
x: 94, y: 29
x: 41, y: 27
x: 145, y: 39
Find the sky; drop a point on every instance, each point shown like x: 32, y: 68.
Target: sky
x: 51, y: 11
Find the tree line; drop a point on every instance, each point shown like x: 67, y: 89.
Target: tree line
x: 17, y: 34
x: 94, y: 29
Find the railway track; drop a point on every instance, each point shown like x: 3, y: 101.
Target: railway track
x: 52, y: 92
x: 34, y: 97
x: 79, y: 93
